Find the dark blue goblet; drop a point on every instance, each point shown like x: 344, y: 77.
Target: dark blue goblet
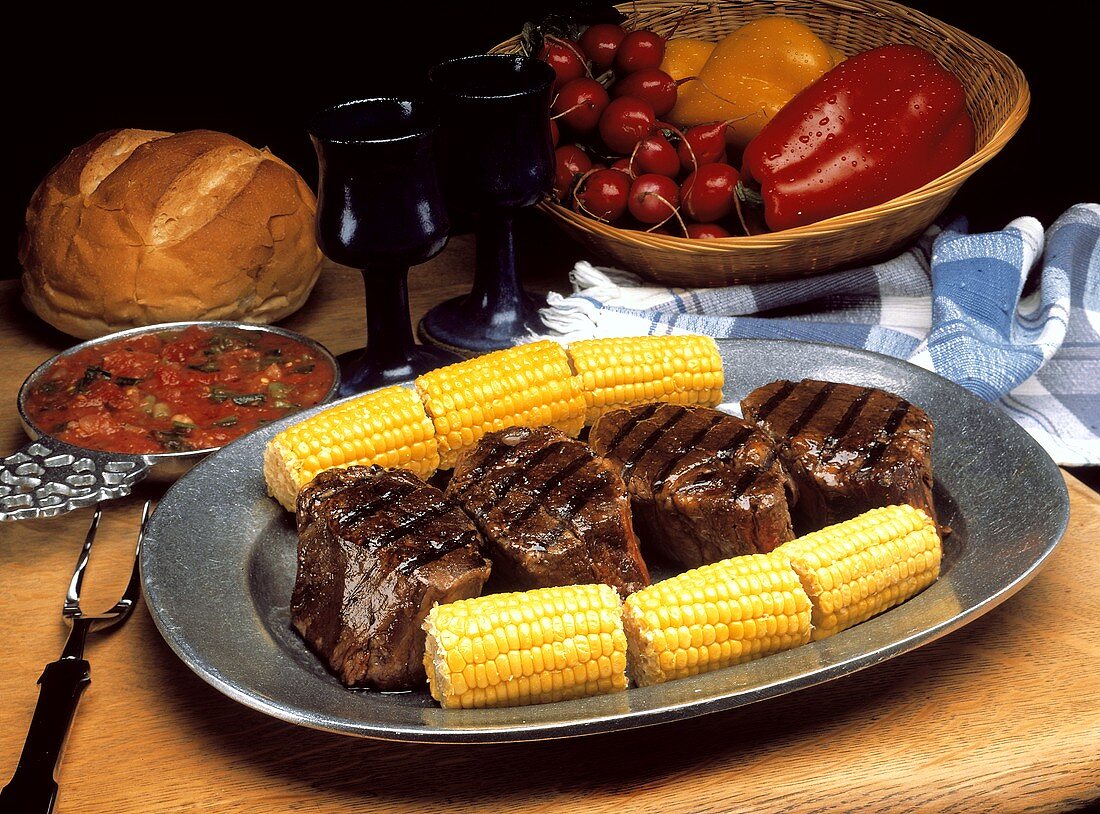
x: 497, y: 157
x: 380, y: 210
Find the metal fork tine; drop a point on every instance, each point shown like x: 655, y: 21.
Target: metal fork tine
x: 72, y: 595
x: 145, y: 512
x: 133, y: 587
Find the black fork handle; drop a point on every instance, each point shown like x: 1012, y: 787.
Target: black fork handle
x: 33, y: 787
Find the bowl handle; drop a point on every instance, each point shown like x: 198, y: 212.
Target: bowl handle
x: 48, y: 477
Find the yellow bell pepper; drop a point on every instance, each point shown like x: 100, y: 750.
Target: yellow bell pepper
x: 685, y: 57
x: 751, y: 74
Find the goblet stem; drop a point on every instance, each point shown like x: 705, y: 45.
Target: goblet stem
x: 497, y: 296
x: 391, y: 355
x: 389, y: 329
x: 497, y: 312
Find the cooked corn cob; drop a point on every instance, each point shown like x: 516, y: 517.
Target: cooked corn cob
x: 858, y: 568
x: 528, y: 385
x: 714, y: 616
x: 625, y: 371
x: 387, y: 427
x: 548, y: 644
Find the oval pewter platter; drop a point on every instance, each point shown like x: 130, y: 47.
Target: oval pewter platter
x: 218, y: 566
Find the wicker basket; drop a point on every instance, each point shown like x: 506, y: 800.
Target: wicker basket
x: 997, y: 97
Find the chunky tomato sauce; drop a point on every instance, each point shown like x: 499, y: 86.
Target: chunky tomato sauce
x: 175, y: 391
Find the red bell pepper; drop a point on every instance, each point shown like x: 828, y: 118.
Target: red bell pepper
x: 880, y: 124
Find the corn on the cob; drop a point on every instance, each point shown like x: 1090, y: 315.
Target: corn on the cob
x: 548, y: 644
x: 528, y: 385
x: 387, y: 427
x: 856, y: 569
x: 621, y: 372
x: 715, y: 616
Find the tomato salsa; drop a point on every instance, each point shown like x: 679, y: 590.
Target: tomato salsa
x: 175, y: 391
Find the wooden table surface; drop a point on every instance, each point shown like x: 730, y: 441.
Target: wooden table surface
x: 1000, y: 716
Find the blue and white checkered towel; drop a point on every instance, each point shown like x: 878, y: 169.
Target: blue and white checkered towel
x: 951, y: 303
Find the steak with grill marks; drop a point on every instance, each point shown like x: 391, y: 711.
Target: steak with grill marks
x: 704, y: 485
x: 376, y: 549
x: 848, y: 448
x: 551, y: 511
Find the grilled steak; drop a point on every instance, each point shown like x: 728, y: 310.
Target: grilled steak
x: 703, y: 485
x: 376, y: 549
x: 848, y: 448
x: 552, y: 512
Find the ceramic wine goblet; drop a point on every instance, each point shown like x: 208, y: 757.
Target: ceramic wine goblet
x: 380, y: 209
x: 497, y: 158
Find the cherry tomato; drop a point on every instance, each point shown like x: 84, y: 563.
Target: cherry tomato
x: 602, y: 194
x: 703, y: 144
x: 570, y: 161
x: 651, y: 84
x: 599, y: 43
x: 565, y: 58
x: 624, y: 122
x: 706, y: 231
x: 623, y: 164
x: 580, y: 104
x: 655, y: 153
x: 639, y: 49
x: 708, y: 192
x: 653, y: 198
x: 555, y: 133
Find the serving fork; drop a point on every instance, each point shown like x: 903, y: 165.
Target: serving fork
x: 33, y: 787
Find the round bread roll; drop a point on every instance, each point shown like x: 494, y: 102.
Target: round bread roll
x: 138, y: 227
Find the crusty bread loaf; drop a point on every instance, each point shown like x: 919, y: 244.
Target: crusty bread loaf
x: 140, y: 226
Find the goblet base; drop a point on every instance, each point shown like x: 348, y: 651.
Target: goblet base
x: 469, y: 328
x: 359, y: 372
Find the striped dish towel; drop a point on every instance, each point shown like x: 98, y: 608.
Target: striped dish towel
x: 952, y: 303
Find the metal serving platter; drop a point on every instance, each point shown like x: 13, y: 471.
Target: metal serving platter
x: 219, y: 559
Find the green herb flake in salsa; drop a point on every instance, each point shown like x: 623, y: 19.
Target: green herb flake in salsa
x: 176, y: 391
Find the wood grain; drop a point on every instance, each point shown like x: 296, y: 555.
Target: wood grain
x: 1000, y: 716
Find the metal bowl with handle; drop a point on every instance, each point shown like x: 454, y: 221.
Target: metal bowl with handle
x: 47, y: 476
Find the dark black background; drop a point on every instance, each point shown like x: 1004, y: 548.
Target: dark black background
x: 262, y: 77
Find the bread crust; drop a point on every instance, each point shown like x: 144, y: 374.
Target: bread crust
x: 138, y: 227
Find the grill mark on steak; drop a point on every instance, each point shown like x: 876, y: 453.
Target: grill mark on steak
x: 889, y: 429
x: 540, y: 491
x: 506, y: 483
x: 810, y: 410
x: 650, y: 441
x: 727, y: 453
x: 778, y: 397
x: 424, y: 557
x: 687, y: 448
x: 833, y: 439
x: 365, y: 510
x: 410, y: 524
x: 749, y: 478
x: 631, y: 423
x: 494, y: 457
x: 580, y: 500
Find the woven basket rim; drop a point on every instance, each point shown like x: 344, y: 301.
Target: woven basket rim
x: 948, y: 182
